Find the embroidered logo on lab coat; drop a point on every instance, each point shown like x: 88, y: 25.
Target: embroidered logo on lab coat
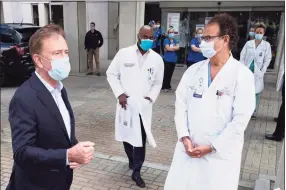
x: 260, y: 54
x: 224, y: 91
x: 129, y: 64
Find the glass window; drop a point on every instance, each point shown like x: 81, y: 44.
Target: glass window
x: 6, y: 38
x: 26, y: 33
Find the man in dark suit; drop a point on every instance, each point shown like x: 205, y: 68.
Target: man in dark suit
x: 42, y: 121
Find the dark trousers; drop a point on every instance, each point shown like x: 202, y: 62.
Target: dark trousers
x: 136, y: 155
x: 168, y: 73
x: 189, y: 63
x: 280, y: 126
x: 157, y: 49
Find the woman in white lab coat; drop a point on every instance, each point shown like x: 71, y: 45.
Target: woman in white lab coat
x: 256, y: 55
x: 214, y: 103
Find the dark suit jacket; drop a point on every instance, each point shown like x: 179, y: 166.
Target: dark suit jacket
x: 39, y: 139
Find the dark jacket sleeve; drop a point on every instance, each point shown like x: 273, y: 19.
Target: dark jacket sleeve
x: 85, y: 41
x: 23, y: 124
x: 100, y: 39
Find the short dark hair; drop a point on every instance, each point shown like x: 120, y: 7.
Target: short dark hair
x: 260, y: 26
x: 92, y: 23
x: 228, y: 26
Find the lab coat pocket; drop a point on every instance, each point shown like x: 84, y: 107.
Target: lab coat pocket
x: 224, y: 106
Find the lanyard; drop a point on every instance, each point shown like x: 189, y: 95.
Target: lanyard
x: 209, y: 75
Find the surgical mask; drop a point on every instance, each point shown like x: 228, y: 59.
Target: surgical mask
x: 251, y: 34
x: 199, y: 35
x: 171, y: 35
x: 60, y: 68
x: 258, y: 36
x: 146, y: 44
x: 207, y: 49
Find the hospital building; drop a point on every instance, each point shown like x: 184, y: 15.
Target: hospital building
x: 119, y: 22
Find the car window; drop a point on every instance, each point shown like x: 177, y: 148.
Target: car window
x: 26, y: 33
x: 6, y: 36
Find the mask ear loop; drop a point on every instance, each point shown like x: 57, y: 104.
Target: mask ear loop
x: 43, y: 64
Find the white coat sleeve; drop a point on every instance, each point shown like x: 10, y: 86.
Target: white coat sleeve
x: 157, y: 83
x: 242, y: 54
x: 243, y: 108
x: 181, y: 108
x: 113, y: 76
x: 267, y: 58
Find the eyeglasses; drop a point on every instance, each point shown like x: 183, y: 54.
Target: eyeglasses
x: 210, y: 38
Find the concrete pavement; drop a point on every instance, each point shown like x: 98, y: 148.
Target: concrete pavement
x: 94, y: 108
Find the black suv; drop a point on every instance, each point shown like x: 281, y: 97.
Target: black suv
x: 16, y: 64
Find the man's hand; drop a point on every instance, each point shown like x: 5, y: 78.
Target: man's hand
x: 189, y: 147
x: 74, y: 165
x: 123, y: 100
x: 81, y: 153
x: 202, y: 151
x: 147, y: 98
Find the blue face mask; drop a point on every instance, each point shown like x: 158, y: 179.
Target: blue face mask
x: 171, y: 35
x: 199, y: 35
x: 60, y: 68
x: 251, y: 34
x: 258, y: 36
x: 146, y: 44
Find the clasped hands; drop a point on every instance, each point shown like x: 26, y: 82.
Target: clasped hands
x: 81, y: 153
x: 195, y: 152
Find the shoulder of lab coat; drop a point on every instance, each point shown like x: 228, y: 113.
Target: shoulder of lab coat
x: 181, y: 104
x: 243, y: 107
x: 159, y: 74
x: 113, y: 72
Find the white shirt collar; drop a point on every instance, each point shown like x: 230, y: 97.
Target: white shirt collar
x: 138, y: 51
x: 48, y: 86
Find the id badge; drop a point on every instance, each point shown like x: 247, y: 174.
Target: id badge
x: 195, y: 95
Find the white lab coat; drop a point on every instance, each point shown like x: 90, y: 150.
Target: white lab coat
x: 211, y: 120
x: 262, y: 56
x: 125, y: 76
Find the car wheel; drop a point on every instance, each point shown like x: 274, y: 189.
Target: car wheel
x: 2, y: 76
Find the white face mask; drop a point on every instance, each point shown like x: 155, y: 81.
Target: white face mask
x: 207, y: 49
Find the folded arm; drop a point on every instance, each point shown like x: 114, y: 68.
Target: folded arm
x: 24, y: 133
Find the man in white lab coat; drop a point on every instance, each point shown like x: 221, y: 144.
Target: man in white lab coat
x: 256, y: 55
x: 135, y: 76
x: 214, y: 103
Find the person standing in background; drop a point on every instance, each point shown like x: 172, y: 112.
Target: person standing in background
x: 256, y: 55
x: 195, y: 54
x: 93, y: 41
x: 183, y: 40
x: 170, y: 57
x: 251, y: 33
x: 158, y: 32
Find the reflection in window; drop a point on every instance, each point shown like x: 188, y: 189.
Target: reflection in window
x: 5, y: 38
